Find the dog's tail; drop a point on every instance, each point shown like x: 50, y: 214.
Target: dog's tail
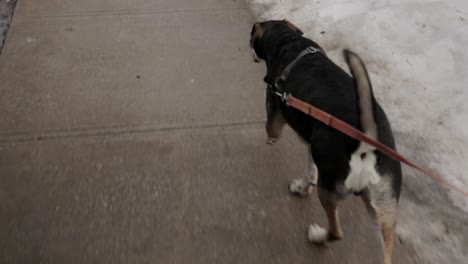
x: 358, y: 179
x: 364, y: 92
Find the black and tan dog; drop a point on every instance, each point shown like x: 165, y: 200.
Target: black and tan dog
x: 344, y: 165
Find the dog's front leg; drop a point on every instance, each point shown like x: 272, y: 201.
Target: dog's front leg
x: 274, y: 128
x: 275, y: 120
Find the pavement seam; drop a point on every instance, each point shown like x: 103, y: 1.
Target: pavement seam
x: 18, y: 137
x: 130, y: 12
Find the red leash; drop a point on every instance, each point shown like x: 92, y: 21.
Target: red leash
x: 343, y: 127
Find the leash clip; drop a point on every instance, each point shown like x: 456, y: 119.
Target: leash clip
x: 283, y: 97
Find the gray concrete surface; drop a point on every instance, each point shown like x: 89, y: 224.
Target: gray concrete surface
x: 132, y: 132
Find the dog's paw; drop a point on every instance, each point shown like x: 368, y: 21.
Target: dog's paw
x: 300, y: 187
x: 313, y: 174
x: 317, y: 234
x: 312, y: 170
x: 270, y: 141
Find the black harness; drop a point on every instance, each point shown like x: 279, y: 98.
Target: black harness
x: 277, y: 86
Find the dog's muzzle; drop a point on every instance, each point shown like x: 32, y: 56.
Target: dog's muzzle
x: 254, y: 56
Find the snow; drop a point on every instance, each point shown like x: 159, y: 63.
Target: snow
x: 415, y: 52
x: 6, y: 12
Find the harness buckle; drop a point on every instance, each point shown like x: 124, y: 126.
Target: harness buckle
x: 311, y: 49
x: 280, y: 81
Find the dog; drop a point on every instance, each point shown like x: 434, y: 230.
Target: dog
x: 343, y: 165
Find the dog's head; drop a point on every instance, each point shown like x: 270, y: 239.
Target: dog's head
x: 262, y: 30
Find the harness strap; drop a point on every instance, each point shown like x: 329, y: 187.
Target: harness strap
x: 284, y: 75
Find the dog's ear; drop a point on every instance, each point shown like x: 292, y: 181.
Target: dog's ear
x: 293, y: 27
x: 257, y: 32
x: 256, y: 36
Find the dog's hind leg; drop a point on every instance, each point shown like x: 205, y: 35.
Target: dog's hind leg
x: 388, y: 233
x: 330, y: 202
x: 303, y: 187
x: 382, y: 203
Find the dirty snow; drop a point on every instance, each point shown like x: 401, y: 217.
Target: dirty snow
x: 416, y: 54
x: 6, y: 13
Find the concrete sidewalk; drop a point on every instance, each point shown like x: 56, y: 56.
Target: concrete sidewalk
x: 132, y: 132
